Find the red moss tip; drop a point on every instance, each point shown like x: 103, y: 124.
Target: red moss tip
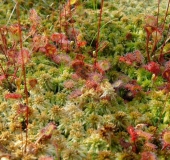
x: 131, y: 130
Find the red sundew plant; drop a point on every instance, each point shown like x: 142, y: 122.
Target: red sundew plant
x: 39, y: 42
x: 61, y: 41
x: 50, y: 50
x: 131, y: 58
x: 150, y: 146
x: 165, y: 139
x: 22, y: 109
x: 88, y: 80
x: 145, y: 135
x: 46, y: 132
x: 139, y: 135
x: 24, y: 75
x: 153, y: 67
x: 154, y: 32
x: 10, y: 60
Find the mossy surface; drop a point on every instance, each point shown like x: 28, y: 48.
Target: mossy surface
x: 82, y: 106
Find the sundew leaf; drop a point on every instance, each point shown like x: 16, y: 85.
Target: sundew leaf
x: 46, y: 132
x: 13, y: 96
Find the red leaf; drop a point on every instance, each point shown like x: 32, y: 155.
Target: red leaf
x: 13, y: 96
x: 26, y: 56
x: 131, y: 130
x: 46, y: 132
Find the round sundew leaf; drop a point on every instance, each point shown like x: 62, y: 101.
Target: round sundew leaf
x: 166, y: 137
x: 153, y: 67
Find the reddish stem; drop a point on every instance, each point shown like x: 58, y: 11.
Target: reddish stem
x: 66, y: 21
x: 60, y: 25
x: 98, y: 31
x: 24, y: 74
x: 4, y: 41
x: 74, y: 32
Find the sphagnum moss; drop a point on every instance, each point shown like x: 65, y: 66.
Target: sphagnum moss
x: 69, y: 119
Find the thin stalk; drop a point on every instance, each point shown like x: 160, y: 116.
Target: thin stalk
x: 155, y: 41
x: 157, y: 20
x: 60, y: 24
x: 147, y: 48
x: 65, y: 21
x: 24, y: 74
x: 98, y: 31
